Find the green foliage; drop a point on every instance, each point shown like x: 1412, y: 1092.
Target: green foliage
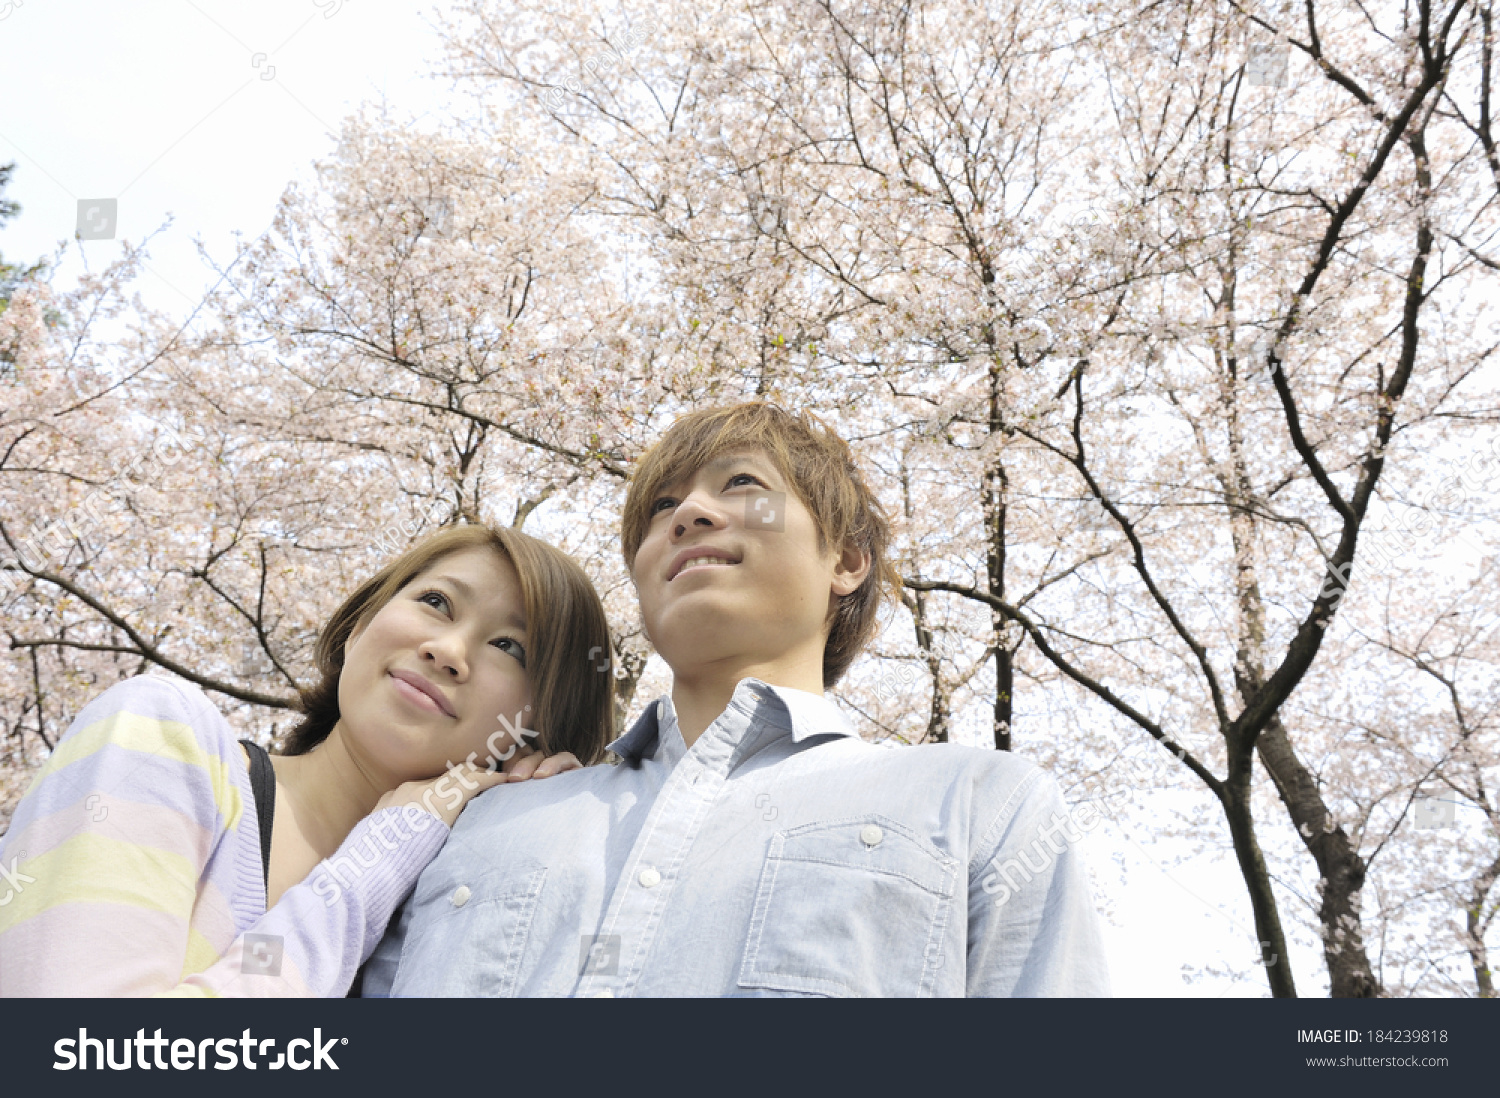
x: 11, y: 275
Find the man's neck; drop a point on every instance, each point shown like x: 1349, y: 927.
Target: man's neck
x: 700, y: 695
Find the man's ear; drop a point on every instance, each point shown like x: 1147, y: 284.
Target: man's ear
x: 850, y: 570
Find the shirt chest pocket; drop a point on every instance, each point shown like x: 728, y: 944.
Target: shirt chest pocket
x: 469, y: 931
x: 851, y: 907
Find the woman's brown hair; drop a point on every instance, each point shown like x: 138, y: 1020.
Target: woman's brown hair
x: 568, y: 655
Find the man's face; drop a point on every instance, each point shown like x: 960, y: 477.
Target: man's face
x: 427, y: 676
x: 730, y: 568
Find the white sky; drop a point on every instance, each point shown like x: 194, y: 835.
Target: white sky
x: 157, y: 103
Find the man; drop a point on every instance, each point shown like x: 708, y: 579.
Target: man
x: 749, y: 842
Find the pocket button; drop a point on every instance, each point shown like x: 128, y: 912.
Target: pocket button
x: 871, y: 835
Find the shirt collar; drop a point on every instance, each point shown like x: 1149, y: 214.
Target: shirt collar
x: 799, y: 712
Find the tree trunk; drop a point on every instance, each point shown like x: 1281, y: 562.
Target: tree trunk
x: 1477, y: 922
x: 1236, y: 801
x: 1339, y: 865
x: 995, y: 499
x: 937, y: 710
x: 632, y: 665
x: 916, y: 602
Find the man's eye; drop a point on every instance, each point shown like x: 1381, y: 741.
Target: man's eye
x: 657, y: 508
x: 434, y: 599
x: 745, y: 476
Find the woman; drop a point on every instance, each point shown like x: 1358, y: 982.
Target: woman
x: 140, y: 849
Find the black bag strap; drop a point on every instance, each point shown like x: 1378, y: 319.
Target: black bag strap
x: 263, y: 785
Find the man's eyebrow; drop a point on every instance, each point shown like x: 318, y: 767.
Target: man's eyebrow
x: 723, y: 463
x: 729, y: 461
x: 513, y: 619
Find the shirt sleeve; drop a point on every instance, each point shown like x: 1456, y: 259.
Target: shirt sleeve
x: 1033, y: 928
x: 380, y: 969
x: 133, y: 859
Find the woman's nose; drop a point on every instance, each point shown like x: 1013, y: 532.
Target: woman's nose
x: 447, y: 654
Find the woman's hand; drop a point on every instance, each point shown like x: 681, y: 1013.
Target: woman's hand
x: 446, y: 795
x: 533, y: 764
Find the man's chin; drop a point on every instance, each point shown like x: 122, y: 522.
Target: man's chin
x: 700, y: 648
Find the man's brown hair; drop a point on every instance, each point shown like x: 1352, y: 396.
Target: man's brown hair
x: 567, y: 640
x: 817, y: 464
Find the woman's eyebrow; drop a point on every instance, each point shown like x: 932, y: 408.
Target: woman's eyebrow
x: 513, y: 619
x: 454, y: 582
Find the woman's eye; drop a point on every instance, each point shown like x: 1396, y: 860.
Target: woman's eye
x: 433, y: 599
x: 509, y: 644
x: 751, y: 477
x: 657, y: 507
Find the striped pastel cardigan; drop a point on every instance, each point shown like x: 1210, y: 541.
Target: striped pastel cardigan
x: 133, y: 866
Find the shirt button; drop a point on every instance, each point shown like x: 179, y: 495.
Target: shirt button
x: 605, y: 994
x: 870, y: 835
x: 460, y: 896
x: 649, y: 878
x: 661, y: 711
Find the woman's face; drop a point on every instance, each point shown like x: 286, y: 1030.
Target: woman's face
x: 428, y: 677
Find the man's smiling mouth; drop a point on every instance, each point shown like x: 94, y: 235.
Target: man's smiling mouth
x: 699, y: 558
x: 698, y: 562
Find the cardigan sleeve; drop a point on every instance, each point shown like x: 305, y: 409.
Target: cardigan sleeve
x: 320, y: 931
x: 132, y: 866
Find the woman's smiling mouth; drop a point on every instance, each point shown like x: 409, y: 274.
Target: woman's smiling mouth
x: 417, y: 690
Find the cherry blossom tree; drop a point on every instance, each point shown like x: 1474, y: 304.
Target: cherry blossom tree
x: 1179, y: 287
x: 1161, y: 331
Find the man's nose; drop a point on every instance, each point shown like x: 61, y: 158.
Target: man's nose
x: 694, y: 512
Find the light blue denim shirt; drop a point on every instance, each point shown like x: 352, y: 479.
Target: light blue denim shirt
x: 780, y: 855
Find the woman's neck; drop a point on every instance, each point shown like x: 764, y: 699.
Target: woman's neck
x: 328, y: 791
